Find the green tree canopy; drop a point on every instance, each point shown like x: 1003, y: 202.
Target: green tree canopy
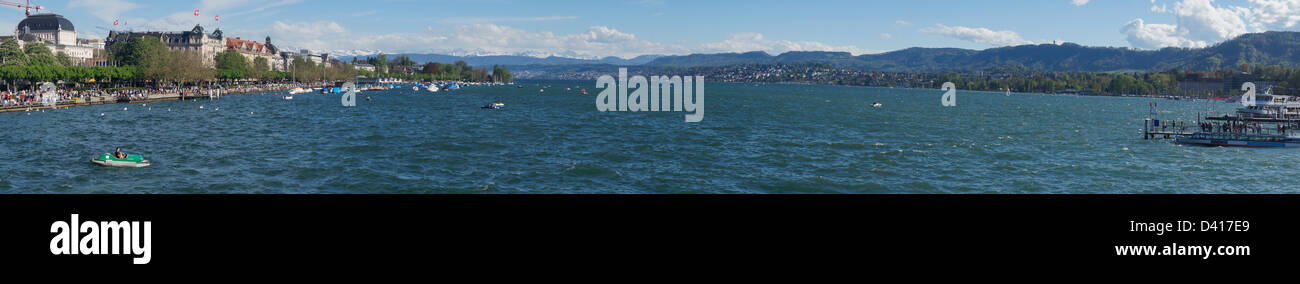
x: 12, y: 54
x: 39, y: 54
x: 137, y: 51
x: 232, y: 65
x: 261, y: 69
x: 62, y: 59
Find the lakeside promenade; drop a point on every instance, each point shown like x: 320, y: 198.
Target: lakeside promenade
x: 168, y: 94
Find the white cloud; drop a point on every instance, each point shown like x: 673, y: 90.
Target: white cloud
x: 1275, y: 14
x: 746, y: 42
x: 1200, y: 22
x: 320, y: 35
x: 978, y: 35
x: 886, y: 36
x: 480, y: 20
x: 602, y: 34
x: 1163, y: 8
x: 230, y: 10
x: 597, y: 41
x: 309, y: 29
x: 477, y: 39
x: 902, y: 23
x: 1150, y: 36
x: 179, y: 21
x: 105, y: 10
x: 494, y: 39
x: 1079, y: 2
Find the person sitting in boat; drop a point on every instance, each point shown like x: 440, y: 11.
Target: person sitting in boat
x: 118, y: 153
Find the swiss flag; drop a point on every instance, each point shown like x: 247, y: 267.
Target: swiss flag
x: 196, y: 12
x: 114, y: 23
x: 218, y: 17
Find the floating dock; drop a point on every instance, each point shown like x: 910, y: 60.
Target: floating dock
x: 1152, y: 129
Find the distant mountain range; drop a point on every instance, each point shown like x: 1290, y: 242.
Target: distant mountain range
x: 1269, y: 48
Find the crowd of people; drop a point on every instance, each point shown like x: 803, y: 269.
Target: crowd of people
x: 33, y: 97
x: 1245, y: 128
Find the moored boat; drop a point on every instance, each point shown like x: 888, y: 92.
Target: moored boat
x: 1272, y: 106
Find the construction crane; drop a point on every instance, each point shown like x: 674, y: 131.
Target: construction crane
x: 27, y: 7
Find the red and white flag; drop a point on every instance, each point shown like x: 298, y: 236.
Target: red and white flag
x: 196, y: 12
x: 114, y: 23
x: 218, y: 17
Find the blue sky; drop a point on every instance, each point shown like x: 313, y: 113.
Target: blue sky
x: 628, y: 28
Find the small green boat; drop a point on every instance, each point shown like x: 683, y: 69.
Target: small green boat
x: 131, y: 161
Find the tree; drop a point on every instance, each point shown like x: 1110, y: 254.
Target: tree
x: 62, y: 59
x: 154, y: 61
x: 305, y: 71
x: 261, y: 69
x: 431, y: 68
x: 1292, y: 85
x: 231, y: 65
x: 501, y: 75
x: 403, y: 60
x: 38, y: 54
x: 137, y: 51
x: 187, y: 66
x: 12, y: 54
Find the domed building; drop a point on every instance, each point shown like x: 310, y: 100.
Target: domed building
x: 60, y: 36
x: 51, y: 29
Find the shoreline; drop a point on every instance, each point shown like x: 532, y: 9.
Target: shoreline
x: 104, y: 100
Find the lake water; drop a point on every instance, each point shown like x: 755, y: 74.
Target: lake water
x: 754, y: 139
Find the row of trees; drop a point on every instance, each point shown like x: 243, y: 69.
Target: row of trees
x: 37, y: 54
x: 36, y: 63
x: 159, y: 64
x: 1141, y: 83
x: 148, y: 59
x: 1170, y: 82
x: 458, y: 71
x: 301, y: 70
x: 233, y: 66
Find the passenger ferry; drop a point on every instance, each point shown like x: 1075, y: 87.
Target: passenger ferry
x: 1272, y: 106
x: 1270, y: 122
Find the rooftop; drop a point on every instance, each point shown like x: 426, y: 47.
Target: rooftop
x: 46, y: 22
